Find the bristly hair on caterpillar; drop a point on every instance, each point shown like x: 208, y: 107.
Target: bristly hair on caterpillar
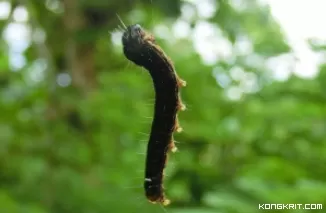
x: 140, y: 48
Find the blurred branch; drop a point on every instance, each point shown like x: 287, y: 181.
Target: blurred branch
x: 79, y: 57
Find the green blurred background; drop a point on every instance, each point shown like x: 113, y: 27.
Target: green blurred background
x: 75, y: 113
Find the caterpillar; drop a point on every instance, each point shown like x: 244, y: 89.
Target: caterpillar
x: 140, y: 47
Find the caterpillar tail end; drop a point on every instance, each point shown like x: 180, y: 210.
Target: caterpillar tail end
x: 160, y: 199
x: 164, y: 202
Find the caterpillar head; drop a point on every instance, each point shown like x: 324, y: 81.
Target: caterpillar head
x: 137, y: 44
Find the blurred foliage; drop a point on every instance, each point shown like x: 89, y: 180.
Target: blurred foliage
x: 78, y: 147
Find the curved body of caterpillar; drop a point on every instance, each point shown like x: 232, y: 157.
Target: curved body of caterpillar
x: 140, y: 48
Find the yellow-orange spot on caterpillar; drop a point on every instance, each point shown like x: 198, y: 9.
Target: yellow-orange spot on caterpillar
x: 181, y: 107
x: 174, y: 149
x: 177, y: 127
x: 182, y: 83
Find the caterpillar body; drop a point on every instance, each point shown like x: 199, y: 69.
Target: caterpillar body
x: 140, y: 48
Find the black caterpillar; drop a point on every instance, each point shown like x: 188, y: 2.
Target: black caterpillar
x: 140, y: 48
